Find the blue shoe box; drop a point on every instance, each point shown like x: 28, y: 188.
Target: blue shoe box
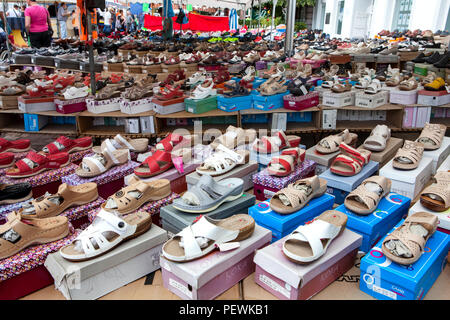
x: 34, y: 122
x: 384, y: 279
x: 299, y: 116
x: 372, y: 227
x: 267, y: 103
x: 282, y: 225
x: 231, y: 104
x: 341, y: 186
x: 257, y: 82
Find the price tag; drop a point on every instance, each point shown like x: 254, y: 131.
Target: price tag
x: 448, y: 89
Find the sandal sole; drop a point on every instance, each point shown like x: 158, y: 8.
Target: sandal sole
x: 17, y: 200
x: 227, y: 199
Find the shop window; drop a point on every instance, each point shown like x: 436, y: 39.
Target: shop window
x: 340, y: 16
x: 402, y: 14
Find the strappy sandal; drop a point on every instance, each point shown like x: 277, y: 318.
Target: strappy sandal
x: 330, y: 83
x: 100, y: 163
x: 341, y: 87
x: 275, y: 143
x: 207, y: 194
x: 331, y: 143
x: 159, y: 162
x: 234, y: 137
x: 436, y: 197
x: 350, y: 162
x: 105, y: 233
x: 169, y: 93
x: 408, y: 85
x: 394, y: 80
x: 432, y: 135
x: 136, y: 194
x: 408, y: 157
x: 406, y: 244
x: 51, y: 205
x: 35, y: 163
x: 365, y: 198
x: 373, y: 87
x: 284, y: 164
x: 206, y: 235
x: 64, y: 144
x: 296, y: 195
x: 21, y: 145
x: 136, y: 145
x: 223, y: 161
x: 236, y: 90
x: 19, y: 232
x: 364, y: 82
x: 378, y: 138
x: 172, y: 140
x: 309, y: 242
x: 274, y: 88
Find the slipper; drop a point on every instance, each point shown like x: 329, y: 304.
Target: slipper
x: 296, y: 195
x: 35, y: 163
x: 285, y: 163
x: 14, y: 193
x: 378, y: 138
x: 234, y: 137
x: 6, y: 159
x: 136, y: 145
x: 223, y: 161
x: 205, y: 235
x: 408, y: 157
x: 331, y: 143
x: 105, y: 233
x: 207, y: 194
x: 64, y: 144
x: 275, y: 143
x: 432, y: 135
x: 309, y: 242
x: 436, y: 197
x: 406, y: 244
x: 21, y: 145
x: 19, y: 233
x: 365, y: 198
x: 99, y: 163
x: 51, y: 205
x: 136, y: 194
x: 350, y: 161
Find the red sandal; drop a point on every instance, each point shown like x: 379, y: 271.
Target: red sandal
x: 39, y: 92
x: 169, y: 93
x: 25, y: 168
x: 221, y: 77
x: 6, y: 159
x: 21, y: 145
x: 64, y: 144
x: 155, y: 164
x: 350, y: 162
x: 276, y: 143
x: 285, y: 163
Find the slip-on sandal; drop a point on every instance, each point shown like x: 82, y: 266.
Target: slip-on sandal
x: 205, y: 235
x: 19, y: 232
x: 365, y: 198
x: 6, y: 159
x: 172, y: 140
x: 159, y: 162
x: 331, y: 143
x: 309, y: 242
x: 14, y: 193
x: 136, y: 145
x: 223, y: 161
x: 21, y: 145
x: 296, y: 195
x: 285, y: 163
x: 207, y: 194
x: 436, y: 197
x: 378, y: 138
x: 35, y: 163
x: 408, y: 85
x: 341, y: 87
x: 234, y: 137
x: 51, y: 205
x: 275, y: 143
x: 105, y: 233
x: 406, y: 244
x: 136, y: 194
x: 432, y: 135
x: 99, y: 163
x: 408, y: 157
x: 373, y: 87
x: 350, y: 161
x: 64, y: 144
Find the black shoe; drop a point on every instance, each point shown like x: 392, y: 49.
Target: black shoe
x: 435, y: 57
x: 420, y: 58
x: 15, y: 193
x: 444, y: 62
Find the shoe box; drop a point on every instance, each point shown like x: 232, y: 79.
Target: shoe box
x: 373, y: 226
x: 267, y: 103
x: 299, y: 103
x: 215, y: 273
x: 169, y: 106
x: 384, y: 279
x: 138, y: 106
x: 103, y: 106
x: 34, y: 122
x: 402, y: 97
x: 30, y: 104
x: 338, y: 100
x: 70, y: 106
x: 366, y: 100
x: 382, y: 157
x: 232, y: 104
x: 201, y: 105
x: 416, y: 117
x: 323, y: 161
x: 438, y: 155
x: 444, y: 217
x: 445, y: 165
x: 433, y: 98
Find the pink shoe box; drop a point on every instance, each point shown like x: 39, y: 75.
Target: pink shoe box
x: 314, y: 63
x: 309, y: 100
x: 403, y: 97
x: 208, y: 277
x: 409, y: 117
x: 265, y: 185
x: 70, y: 106
x: 290, y: 281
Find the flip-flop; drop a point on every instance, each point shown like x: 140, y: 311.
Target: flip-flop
x: 365, y: 198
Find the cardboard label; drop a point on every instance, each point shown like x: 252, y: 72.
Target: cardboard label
x: 180, y: 287
x: 268, y: 193
x: 384, y: 292
x: 448, y: 89
x: 274, y: 286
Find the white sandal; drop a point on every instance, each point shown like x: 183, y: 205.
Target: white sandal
x: 364, y: 82
x: 223, y: 161
x: 378, y: 138
x: 374, y: 87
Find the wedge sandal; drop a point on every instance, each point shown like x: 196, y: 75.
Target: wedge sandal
x: 276, y: 142
x: 310, y: 242
x: 331, y: 143
x: 64, y: 144
x: 405, y: 245
x: 223, y: 161
x: 365, y: 198
x: 206, y: 235
x: 350, y: 161
x: 136, y: 145
x: 285, y: 164
x: 408, y: 157
x: 35, y: 163
x: 6, y: 159
x: 436, y: 197
x: 296, y: 195
x: 432, y: 135
x: 21, y: 145
x: 378, y: 138
x: 99, y: 163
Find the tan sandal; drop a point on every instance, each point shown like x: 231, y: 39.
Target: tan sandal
x: 296, y: 195
x: 331, y: 143
x: 274, y: 88
x: 432, y: 135
x: 437, y: 196
x: 19, y: 232
x: 341, y: 87
x: 119, y: 142
x: 365, y: 198
x: 406, y: 244
x: 408, y: 85
x: 234, y: 137
x: 99, y: 163
x: 408, y: 157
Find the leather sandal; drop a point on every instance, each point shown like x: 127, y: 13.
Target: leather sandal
x: 350, y: 162
x: 436, y: 197
x: 64, y: 144
x: 285, y: 163
x: 331, y: 143
x: 408, y: 157
x: 275, y: 143
x: 432, y: 135
x: 378, y: 138
x: 365, y: 198
x: 35, y: 163
x: 100, y: 163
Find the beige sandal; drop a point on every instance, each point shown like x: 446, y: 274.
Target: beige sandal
x: 432, y: 135
x: 119, y: 142
x: 101, y: 162
x: 406, y: 244
x: 296, y: 195
x: 437, y: 196
x: 408, y: 157
x: 408, y: 84
x: 341, y: 87
x: 234, y: 137
x: 365, y: 198
x: 331, y: 143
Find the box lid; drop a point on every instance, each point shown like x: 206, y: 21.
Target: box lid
x: 199, y: 272
x: 238, y: 172
x: 443, y: 151
x: 273, y: 260
x: 433, y: 93
x: 73, y: 272
x: 168, y: 102
x: 208, y: 100
x: 319, y: 158
x: 349, y: 183
x: 224, y: 99
x: 409, y: 176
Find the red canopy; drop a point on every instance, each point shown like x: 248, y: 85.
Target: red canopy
x: 196, y: 23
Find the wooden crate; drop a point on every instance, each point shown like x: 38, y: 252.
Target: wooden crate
x: 8, y: 102
x: 339, y: 59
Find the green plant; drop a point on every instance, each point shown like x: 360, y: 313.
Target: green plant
x: 300, y: 25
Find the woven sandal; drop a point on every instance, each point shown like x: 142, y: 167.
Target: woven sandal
x: 378, y: 138
x: 350, y: 161
x: 64, y: 144
x: 365, y: 198
x: 296, y: 195
x: 408, y: 157
x: 275, y: 143
x: 436, y: 197
x: 35, y: 163
x: 205, y: 235
x: 331, y: 143
x: 99, y: 163
x: 223, y: 161
x: 284, y: 164
x: 432, y: 135
x: 309, y: 242
x: 136, y: 145
x: 405, y: 245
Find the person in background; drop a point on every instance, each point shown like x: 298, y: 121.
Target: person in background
x: 120, y: 21
x: 76, y: 21
x: 62, y: 16
x: 130, y: 21
x: 38, y: 25
x: 107, y: 21
x: 14, y: 12
x: 114, y: 18
x: 52, y: 9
